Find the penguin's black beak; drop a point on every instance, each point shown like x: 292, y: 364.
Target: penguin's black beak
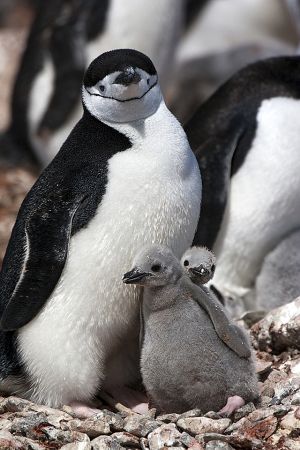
x: 134, y: 276
x: 199, y: 270
x: 128, y: 76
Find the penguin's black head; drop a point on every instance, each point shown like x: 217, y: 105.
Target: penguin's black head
x: 121, y: 86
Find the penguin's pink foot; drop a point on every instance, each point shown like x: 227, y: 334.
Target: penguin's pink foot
x: 82, y: 410
x: 233, y: 403
x: 135, y: 401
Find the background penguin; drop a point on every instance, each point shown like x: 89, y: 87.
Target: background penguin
x: 246, y: 139
x: 63, y: 39
x: 199, y: 263
x: 116, y: 184
x: 279, y: 279
x: 184, y: 363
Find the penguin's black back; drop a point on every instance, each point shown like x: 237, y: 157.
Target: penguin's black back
x: 77, y: 175
x: 222, y: 130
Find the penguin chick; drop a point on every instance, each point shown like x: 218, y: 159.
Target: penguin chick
x: 184, y: 363
x: 199, y: 263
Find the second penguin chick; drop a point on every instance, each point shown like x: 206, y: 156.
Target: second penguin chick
x: 184, y: 363
x: 199, y: 263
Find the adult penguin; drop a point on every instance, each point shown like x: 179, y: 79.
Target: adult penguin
x: 246, y: 139
x: 64, y: 38
x: 126, y: 176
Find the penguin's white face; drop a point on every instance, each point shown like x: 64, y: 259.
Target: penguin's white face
x: 123, y: 96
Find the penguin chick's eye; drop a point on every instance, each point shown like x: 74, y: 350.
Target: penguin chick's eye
x: 156, y: 268
x: 185, y: 262
x: 102, y: 88
x: 148, y: 81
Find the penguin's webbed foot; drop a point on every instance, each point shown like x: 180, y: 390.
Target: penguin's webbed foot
x: 82, y: 410
x: 126, y: 400
x: 233, y: 403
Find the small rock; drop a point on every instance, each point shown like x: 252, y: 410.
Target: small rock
x: 279, y: 329
x: 139, y: 425
x: 77, y: 446
x: 105, y: 443
x: 290, y: 422
x: 286, y: 388
x: 33, y: 421
x: 268, y: 391
x: 262, y: 367
x: 198, y: 425
x: 218, y: 445
x: 212, y: 415
x: 168, y: 418
x: 296, y: 399
x: 187, y: 440
x: 144, y: 444
x: 9, y: 442
x: 192, y: 413
x: 244, y: 411
x: 92, y: 426
x: 166, y: 435
x: 126, y: 439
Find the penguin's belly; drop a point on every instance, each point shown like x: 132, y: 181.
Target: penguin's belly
x: 149, y: 198
x: 264, y: 202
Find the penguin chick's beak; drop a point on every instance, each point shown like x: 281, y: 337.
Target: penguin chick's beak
x: 134, y: 276
x: 199, y: 271
x: 128, y: 76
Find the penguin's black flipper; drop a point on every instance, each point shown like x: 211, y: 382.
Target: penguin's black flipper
x: 214, y: 157
x: 46, y: 233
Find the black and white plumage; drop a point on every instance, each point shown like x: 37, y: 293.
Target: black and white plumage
x: 246, y: 141
x: 119, y: 180
x: 64, y: 38
x: 278, y: 282
x: 185, y: 363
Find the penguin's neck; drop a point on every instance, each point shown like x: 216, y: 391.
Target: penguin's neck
x: 161, y: 123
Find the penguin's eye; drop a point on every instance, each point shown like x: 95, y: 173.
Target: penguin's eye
x: 148, y: 81
x: 213, y: 268
x: 185, y: 262
x: 156, y: 268
x: 102, y: 88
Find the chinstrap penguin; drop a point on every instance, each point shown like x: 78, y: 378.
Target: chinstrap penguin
x: 199, y: 263
x: 246, y: 140
x: 123, y: 175
x: 184, y: 363
x: 64, y: 38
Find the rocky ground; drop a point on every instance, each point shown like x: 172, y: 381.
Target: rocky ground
x: 274, y: 423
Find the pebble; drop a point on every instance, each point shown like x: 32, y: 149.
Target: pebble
x: 166, y: 435
x: 197, y: 425
x: 93, y: 426
x: 139, y: 425
x: 105, y: 443
x: 218, y: 445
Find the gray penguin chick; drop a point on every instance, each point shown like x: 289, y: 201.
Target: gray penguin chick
x: 199, y: 263
x: 184, y: 363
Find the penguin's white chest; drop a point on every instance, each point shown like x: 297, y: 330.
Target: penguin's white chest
x: 152, y: 195
x: 264, y: 203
